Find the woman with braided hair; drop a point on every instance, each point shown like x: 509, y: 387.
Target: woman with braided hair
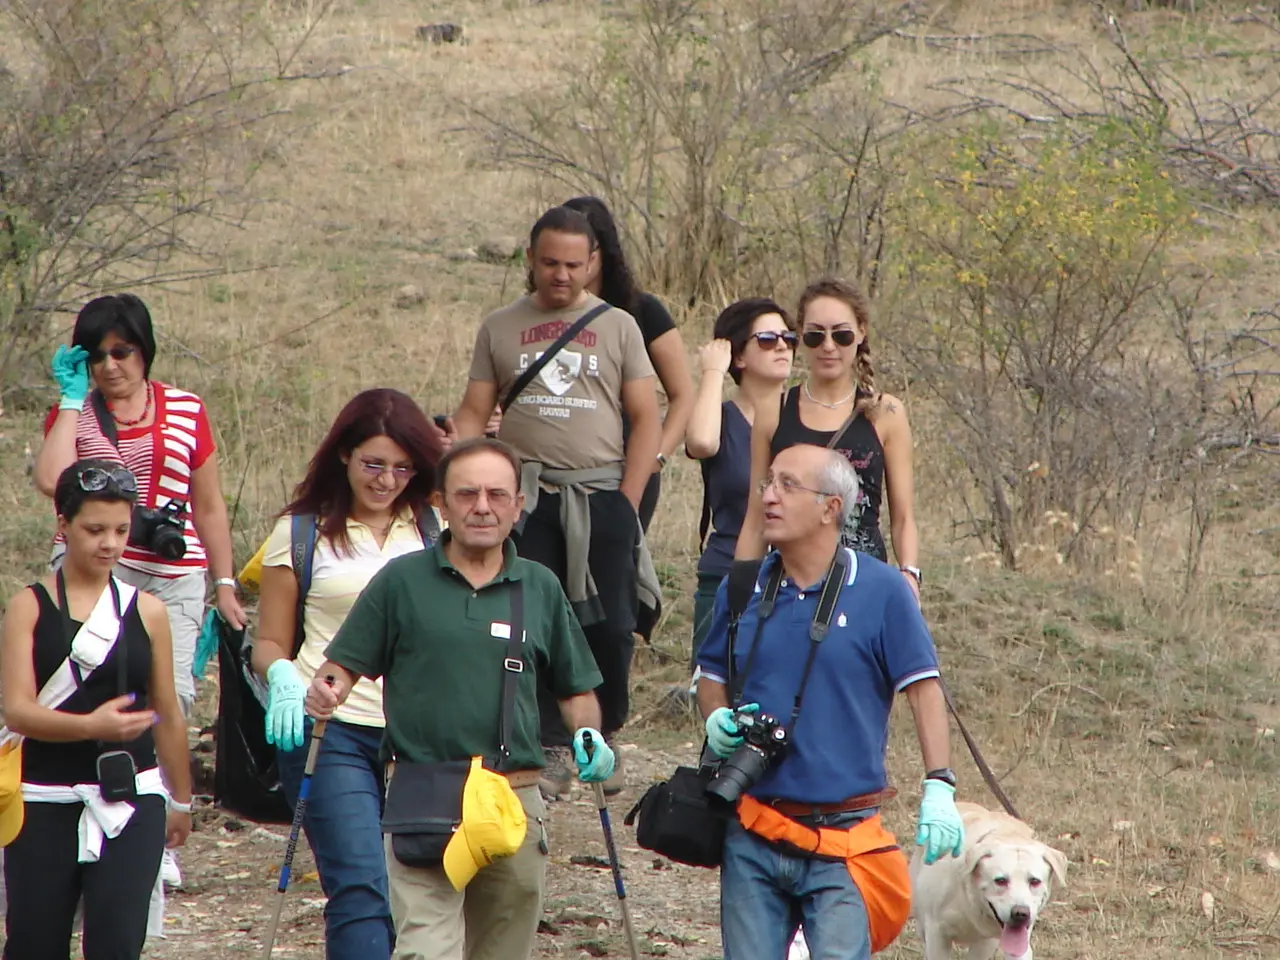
x: 839, y: 394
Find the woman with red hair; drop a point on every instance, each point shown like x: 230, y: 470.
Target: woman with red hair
x: 368, y: 487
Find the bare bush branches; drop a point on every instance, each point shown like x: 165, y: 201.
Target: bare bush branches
x: 715, y: 132
x: 125, y: 125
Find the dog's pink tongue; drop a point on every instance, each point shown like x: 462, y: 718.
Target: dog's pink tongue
x: 1015, y: 941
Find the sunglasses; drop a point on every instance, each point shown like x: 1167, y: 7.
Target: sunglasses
x: 96, y: 480
x: 841, y: 338
x: 119, y: 353
x: 376, y: 468
x: 768, y: 339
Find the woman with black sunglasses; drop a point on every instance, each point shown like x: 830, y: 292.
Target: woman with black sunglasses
x: 839, y: 394
x: 754, y: 342
x: 87, y: 669
x: 110, y: 408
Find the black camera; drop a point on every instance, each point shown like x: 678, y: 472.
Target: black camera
x: 162, y: 531
x: 764, y: 742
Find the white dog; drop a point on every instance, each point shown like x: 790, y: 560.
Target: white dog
x: 989, y: 896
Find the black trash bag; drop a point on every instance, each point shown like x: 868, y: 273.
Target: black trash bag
x: 246, y: 779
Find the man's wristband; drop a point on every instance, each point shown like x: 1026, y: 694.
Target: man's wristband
x: 945, y: 774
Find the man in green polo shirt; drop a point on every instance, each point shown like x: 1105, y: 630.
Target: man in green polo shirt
x: 435, y: 625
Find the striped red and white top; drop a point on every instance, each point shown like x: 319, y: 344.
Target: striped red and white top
x: 162, y: 456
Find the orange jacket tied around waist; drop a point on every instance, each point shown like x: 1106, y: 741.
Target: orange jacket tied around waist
x: 870, y: 852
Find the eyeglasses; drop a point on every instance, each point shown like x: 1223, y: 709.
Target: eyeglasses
x: 469, y: 496
x: 96, y: 479
x: 787, y: 486
x: 376, y: 468
x: 813, y: 339
x: 119, y: 353
x: 768, y: 339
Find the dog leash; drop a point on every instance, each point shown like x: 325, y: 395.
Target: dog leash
x: 978, y: 759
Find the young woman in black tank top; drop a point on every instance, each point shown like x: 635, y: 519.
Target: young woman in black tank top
x: 834, y: 320
x: 127, y: 706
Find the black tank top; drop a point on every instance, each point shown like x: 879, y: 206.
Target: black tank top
x: 77, y: 762
x: 861, y: 446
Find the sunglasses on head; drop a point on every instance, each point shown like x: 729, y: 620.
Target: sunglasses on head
x: 843, y: 337
x: 96, y: 480
x: 119, y: 353
x: 768, y: 339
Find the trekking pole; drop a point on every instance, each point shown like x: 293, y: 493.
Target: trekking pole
x: 605, y: 824
x: 313, y: 751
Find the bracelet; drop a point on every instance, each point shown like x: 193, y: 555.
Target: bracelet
x: 224, y: 582
x: 179, y: 807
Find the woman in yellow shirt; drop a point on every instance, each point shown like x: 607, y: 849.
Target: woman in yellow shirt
x: 368, y: 484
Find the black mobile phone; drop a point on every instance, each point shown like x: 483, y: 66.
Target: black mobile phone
x: 117, y: 776
x: 440, y: 419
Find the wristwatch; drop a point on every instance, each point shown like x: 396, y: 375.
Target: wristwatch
x: 945, y: 774
x: 662, y: 460
x: 224, y: 582
x: 915, y: 572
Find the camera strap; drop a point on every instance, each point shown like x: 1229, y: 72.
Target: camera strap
x: 68, y: 630
x: 837, y: 575
x: 512, y: 668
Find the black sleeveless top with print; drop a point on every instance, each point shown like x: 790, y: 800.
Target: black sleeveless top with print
x: 860, y: 444
x: 77, y: 761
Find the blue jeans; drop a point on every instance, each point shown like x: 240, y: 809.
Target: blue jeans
x: 766, y: 894
x: 344, y: 827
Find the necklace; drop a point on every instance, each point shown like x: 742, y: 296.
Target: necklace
x: 829, y: 406
x: 145, y: 411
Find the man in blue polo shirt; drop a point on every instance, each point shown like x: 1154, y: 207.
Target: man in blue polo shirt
x: 807, y: 846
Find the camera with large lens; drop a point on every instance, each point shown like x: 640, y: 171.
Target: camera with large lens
x: 764, y: 742
x: 162, y: 531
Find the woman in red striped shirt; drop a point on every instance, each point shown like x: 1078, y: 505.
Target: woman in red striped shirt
x: 110, y: 409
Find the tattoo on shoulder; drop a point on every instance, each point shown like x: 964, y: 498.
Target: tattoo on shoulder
x: 890, y: 407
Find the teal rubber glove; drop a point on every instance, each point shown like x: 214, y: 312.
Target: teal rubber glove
x: 941, y: 830
x: 285, y: 718
x: 599, y: 766
x: 723, y: 733
x: 206, y: 644
x: 71, y: 371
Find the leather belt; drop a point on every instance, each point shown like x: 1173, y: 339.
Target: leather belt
x: 517, y: 778
x: 794, y: 808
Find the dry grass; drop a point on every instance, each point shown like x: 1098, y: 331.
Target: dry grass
x: 1134, y: 727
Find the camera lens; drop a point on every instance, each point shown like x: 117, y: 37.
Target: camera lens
x: 738, y: 773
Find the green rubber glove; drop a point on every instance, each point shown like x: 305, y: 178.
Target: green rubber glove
x: 599, y: 766
x: 941, y: 830
x: 285, y: 717
x: 71, y: 371
x: 723, y: 733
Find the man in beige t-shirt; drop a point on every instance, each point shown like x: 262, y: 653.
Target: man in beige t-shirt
x: 567, y: 426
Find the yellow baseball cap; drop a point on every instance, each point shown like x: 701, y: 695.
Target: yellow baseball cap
x: 11, y: 805
x: 493, y: 825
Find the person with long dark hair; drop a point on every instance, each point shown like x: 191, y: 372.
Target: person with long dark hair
x: 612, y: 281
x: 110, y: 408
x: 368, y: 486
x: 87, y: 669
x: 754, y: 342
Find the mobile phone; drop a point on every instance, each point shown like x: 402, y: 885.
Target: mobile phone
x: 117, y: 776
x: 440, y: 419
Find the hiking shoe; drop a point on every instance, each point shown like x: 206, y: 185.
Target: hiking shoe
x: 613, y: 786
x: 557, y: 775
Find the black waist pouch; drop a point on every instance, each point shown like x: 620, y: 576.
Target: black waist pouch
x: 677, y: 819
x: 424, y: 809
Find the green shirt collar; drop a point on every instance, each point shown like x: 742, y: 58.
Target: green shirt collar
x: 510, y: 571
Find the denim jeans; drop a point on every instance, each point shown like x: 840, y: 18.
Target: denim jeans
x: 343, y: 823
x: 766, y: 894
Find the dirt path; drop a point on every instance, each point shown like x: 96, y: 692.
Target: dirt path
x: 230, y: 869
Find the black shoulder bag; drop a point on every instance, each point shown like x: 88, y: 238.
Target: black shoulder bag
x: 549, y: 354
x: 424, y: 800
